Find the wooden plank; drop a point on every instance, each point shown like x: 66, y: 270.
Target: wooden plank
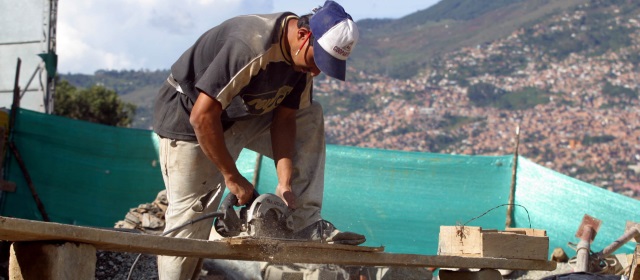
x: 514, y: 246
x: 13, y: 229
x: 528, y: 231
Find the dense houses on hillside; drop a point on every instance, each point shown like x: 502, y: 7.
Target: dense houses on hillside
x: 582, y: 131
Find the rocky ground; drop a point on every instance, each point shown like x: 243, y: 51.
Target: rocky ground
x: 123, y: 266
x: 116, y: 266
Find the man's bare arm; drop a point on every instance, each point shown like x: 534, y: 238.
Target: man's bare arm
x: 283, y: 134
x: 206, y: 121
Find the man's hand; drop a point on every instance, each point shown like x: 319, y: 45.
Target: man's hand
x: 240, y: 186
x: 287, y: 196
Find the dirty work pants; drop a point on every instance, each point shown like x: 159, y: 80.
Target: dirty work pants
x: 195, y: 186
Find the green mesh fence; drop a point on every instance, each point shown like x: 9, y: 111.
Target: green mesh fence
x: 84, y: 173
x: 400, y: 199
x: 89, y: 174
x: 557, y: 203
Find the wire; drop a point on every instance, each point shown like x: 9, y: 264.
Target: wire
x: 525, y: 209
x: 133, y: 266
x: 217, y: 214
x: 211, y: 215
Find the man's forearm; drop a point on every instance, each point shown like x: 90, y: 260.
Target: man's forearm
x: 283, y: 133
x: 205, y: 119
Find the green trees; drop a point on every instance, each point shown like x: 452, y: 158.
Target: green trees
x: 488, y: 95
x: 96, y: 104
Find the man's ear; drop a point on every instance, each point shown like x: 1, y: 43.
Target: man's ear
x: 303, y: 33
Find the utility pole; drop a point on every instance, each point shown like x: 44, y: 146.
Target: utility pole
x: 53, y: 57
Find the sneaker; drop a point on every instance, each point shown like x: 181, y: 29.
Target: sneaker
x: 325, y: 232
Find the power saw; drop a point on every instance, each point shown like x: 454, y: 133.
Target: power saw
x: 264, y: 216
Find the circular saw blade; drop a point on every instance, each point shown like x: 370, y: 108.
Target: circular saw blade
x: 269, y: 217
x: 264, y: 203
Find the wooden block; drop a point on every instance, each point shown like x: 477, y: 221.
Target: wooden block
x: 528, y: 231
x: 53, y: 261
x: 514, y: 246
x: 530, y: 244
x: 7, y: 186
x: 460, y: 241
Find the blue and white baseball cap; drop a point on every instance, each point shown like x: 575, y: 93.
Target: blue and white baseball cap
x: 335, y: 36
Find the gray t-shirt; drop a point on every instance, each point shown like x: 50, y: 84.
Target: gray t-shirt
x: 243, y: 64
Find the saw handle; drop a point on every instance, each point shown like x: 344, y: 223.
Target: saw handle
x: 232, y: 200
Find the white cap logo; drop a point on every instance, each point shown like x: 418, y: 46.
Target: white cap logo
x: 340, y: 39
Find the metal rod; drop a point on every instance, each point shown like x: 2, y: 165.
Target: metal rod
x: 27, y: 177
x: 583, y: 249
x: 21, y: 43
x: 30, y: 80
x: 615, y: 245
x: 256, y: 170
x: 16, y: 99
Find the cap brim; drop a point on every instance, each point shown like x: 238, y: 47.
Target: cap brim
x: 328, y: 64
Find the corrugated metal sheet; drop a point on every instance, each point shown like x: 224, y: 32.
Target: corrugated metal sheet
x: 24, y: 31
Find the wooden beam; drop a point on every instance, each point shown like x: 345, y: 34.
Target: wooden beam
x: 274, y: 251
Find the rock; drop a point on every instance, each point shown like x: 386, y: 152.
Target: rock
x: 559, y: 255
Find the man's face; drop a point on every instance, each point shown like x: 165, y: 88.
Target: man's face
x: 303, y: 61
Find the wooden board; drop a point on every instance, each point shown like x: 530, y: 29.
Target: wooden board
x: 528, y: 231
x: 274, y: 251
x: 501, y: 245
x: 513, y: 243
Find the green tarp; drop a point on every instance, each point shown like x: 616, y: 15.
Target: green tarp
x: 89, y: 174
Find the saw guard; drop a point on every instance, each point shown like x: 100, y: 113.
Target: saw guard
x: 265, y: 202
x: 269, y: 217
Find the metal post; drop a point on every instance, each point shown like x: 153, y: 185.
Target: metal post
x: 512, y: 191
x: 51, y: 49
x: 583, y: 249
x: 256, y: 171
x: 587, y: 231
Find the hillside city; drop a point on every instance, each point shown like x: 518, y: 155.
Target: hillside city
x: 581, y: 131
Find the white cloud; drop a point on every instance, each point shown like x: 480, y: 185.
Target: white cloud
x: 151, y: 34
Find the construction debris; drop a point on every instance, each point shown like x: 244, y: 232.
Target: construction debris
x: 148, y: 217
x: 559, y: 255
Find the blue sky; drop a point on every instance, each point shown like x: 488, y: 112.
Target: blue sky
x: 151, y: 34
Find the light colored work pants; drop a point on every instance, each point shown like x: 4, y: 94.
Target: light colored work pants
x: 195, y: 186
